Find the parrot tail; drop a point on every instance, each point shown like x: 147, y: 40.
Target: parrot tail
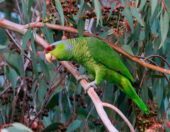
x: 128, y: 89
x: 138, y: 101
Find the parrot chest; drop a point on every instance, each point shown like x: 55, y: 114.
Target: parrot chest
x: 88, y: 63
x: 83, y: 56
x: 90, y: 66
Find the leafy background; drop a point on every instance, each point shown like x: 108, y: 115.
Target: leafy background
x: 46, y: 97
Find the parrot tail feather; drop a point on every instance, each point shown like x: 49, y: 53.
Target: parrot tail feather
x: 130, y: 91
x: 141, y: 105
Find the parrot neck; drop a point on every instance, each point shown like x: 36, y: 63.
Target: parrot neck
x: 67, y: 53
x: 68, y: 49
x: 63, y: 50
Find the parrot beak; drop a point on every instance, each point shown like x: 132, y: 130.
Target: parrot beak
x: 49, y: 57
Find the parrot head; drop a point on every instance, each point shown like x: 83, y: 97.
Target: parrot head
x: 48, y: 56
x: 57, y: 51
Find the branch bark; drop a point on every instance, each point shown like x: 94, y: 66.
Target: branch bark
x: 142, y: 62
x: 94, y: 97
x: 120, y: 113
x: 23, y: 28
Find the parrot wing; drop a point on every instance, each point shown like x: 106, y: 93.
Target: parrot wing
x: 102, y: 53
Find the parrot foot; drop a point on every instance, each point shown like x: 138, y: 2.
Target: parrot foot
x: 82, y: 77
x: 89, y: 85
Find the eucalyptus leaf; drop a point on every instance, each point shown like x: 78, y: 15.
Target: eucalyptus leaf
x: 112, y: 8
x: 53, y: 101
x: 26, y: 9
x: 2, y: 1
x: 15, y: 61
x: 48, y: 34
x: 42, y: 90
x: 2, y: 80
x: 154, y: 3
x: 164, y: 27
x: 142, y: 4
x: 74, y: 126
x: 52, y: 127
x: 137, y: 15
x: 17, y: 127
x: 167, y: 3
x: 45, y: 69
x: 11, y: 76
x: 126, y: 12
x: 3, y: 36
x: 27, y: 36
x: 3, y: 48
x: 128, y: 49
x: 97, y: 8
x: 80, y: 11
x: 60, y: 10
x: 81, y: 24
x: 34, y: 58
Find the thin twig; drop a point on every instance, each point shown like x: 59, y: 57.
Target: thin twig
x: 19, y: 11
x: 47, y: 97
x: 94, y: 97
x: 24, y: 98
x: 13, y: 39
x: 157, y: 65
x: 15, y: 100
x: 120, y: 114
x: 53, y: 88
x: 23, y: 28
x: 144, y: 75
x: 6, y: 89
x: 2, y: 117
x: 115, y: 47
x: 143, y: 78
x: 164, y: 5
x: 15, y: 42
x: 158, y: 56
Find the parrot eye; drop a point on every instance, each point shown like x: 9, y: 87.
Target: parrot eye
x: 49, y: 48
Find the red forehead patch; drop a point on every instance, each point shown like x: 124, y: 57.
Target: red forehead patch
x: 49, y: 48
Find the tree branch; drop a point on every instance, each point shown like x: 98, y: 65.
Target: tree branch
x: 115, y: 47
x: 94, y: 97
x: 120, y: 113
x: 23, y: 28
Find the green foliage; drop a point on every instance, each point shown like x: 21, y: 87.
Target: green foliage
x: 98, y: 12
x: 164, y: 27
x: 74, y: 125
x: 17, y: 127
x: 26, y: 9
x: 2, y: 1
x: 60, y: 10
x: 31, y: 87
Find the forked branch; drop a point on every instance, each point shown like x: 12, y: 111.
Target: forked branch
x: 142, y: 62
x: 94, y: 97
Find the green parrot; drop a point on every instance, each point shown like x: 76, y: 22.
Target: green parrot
x: 100, y: 61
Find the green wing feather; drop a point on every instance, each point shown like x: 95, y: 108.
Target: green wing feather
x: 105, y: 55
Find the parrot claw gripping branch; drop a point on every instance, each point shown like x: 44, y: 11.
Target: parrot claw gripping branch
x: 89, y: 85
x: 81, y: 77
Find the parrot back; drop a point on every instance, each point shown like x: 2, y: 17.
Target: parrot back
x: 104, y: 54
